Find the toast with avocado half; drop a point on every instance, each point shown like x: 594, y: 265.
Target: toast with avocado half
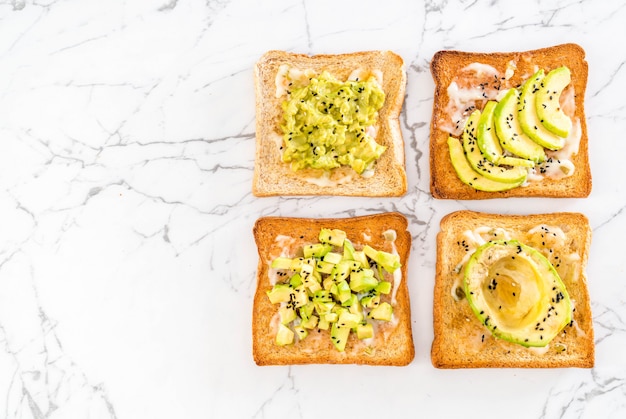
x: 511, y: 291
x: 332, y: 291
x: 509, y: 124
x: 329, y: 124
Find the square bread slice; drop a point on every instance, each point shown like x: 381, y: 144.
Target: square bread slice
x: 482, y: 75
x: 274, y: 177
x: 461, y: 340
x: 392, y: 343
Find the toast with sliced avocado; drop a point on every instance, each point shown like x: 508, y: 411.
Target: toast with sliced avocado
x: 525, y: 112
x: 329, y: 124
x: 332, y: 291
x: 511, y: 291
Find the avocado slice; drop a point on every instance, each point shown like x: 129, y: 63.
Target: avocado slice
x: 489, y: 143
x: 529, y: 120
x: 469, y: 176
x: 509, y: 132
x: 548, y: 105
x: 480, y: 163
x: 516, y: 293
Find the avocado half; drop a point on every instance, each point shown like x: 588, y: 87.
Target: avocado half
x: 516, y: 293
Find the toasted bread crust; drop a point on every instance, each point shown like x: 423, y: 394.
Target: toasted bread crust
x: 458, y: 334
x: 393, y: 347
x: 273, y: 177
x: 445, y: 65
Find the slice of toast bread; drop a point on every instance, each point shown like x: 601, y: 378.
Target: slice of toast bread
x: 513, y: 68
x: 274, y: 177
x: 461, y: 340
x: 392, y: 343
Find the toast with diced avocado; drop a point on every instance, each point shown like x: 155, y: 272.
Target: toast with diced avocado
x: 530, y: 108
x: 329, y: 124
x: 511, y: 291
x: 332, y: 291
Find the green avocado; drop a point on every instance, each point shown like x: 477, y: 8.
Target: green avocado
x: 480, y: 163
x: 489, y: 143
x: 509, y: 132
x: 470, y: 177
x: 331, y: 289
x: 548, y: 105
x: 516, y: 293
x: 326, y: 122
x: 529, y: 119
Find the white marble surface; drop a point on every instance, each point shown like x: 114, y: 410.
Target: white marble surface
x: 127, y: 264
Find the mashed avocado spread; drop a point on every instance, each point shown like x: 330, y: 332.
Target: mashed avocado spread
x: 326, y: 123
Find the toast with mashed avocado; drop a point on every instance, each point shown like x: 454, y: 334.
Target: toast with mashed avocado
x: 332, y: 291
x: 329, y: 124
x: 511, y: 291
x: 509, y: 124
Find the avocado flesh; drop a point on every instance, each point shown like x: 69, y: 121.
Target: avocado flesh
x: 516, y: 293
x: 548, y: 104
x: 325, y: 124
x: 480, y: 163
x: 488, y: 140
x: 529, y: 119
x: 334, y: 287
x: 470, y: 177
x: 510, y: 133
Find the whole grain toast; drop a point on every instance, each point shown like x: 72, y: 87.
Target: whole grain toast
x: 462, y: 341
x: 446, y: 65
x: 281, y: 236
x: 274, y: 177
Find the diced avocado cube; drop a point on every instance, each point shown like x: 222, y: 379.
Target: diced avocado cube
x: 306, y: 270
x: 350, y: 301
x: 389, y: 261
x: 310, y: 323
x: 301, y: 332
x: 328, y: 283
x: 323, y: 324
x: 280, y: 293
x: 331, y: 317
x: 296, y: 264
x: 383, y: 287
x: 324, y: 267
x: 332, y: 257
x: 284, y: 335
x: 370, y: 252
x: 341, y: 271
x: 306, y: 311
x: 365, y: 331
x: 363, y: 281
x: 339, y: 336
x: 361, y: 258
x: 322, y: 296
x: 301, y: 297
x: 323, y: 308
x: 347, y: 319
x: 370, y: 301
x: 281, y: 263
x: 295, y: 280
x: 316, y: 250
x: 356, y: 307
x: 348, y: 250
x: 383, y: 311
x: 287, y: 314
x: 314, y: 286
x: 335, y: 237
x: 343, y: 291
